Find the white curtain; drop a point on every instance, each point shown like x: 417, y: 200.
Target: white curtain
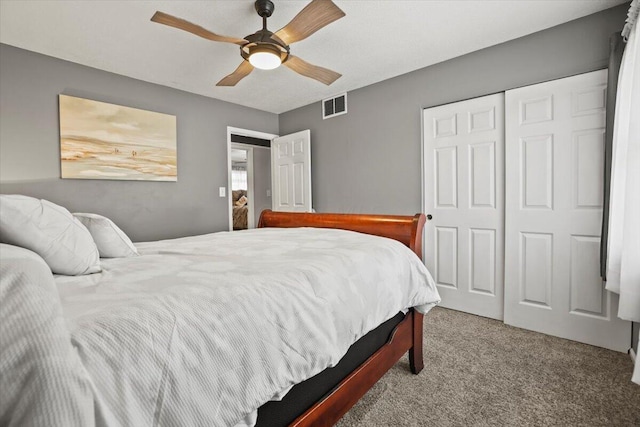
x: 239, y: 180
x: 623, y: 262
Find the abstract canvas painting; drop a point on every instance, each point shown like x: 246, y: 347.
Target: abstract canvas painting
x: 108, y: 141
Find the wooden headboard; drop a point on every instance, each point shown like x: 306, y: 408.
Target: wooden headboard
x: 405, y: 229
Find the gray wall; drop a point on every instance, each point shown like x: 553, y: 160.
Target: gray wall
x: 369, y: 159
x: 30, y: 147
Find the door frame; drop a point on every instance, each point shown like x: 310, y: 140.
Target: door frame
x: 254, y: 134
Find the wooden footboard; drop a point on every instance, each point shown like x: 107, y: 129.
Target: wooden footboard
x: 407, y: 336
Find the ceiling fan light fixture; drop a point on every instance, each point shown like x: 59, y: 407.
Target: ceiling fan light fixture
x: 265, y: 57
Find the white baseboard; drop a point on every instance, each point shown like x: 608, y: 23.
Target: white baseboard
x: 633, y: 355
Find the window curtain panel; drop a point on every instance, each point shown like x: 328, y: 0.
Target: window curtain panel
x: 616, y: 47
x: 623, y: 247
x: 239, y: 180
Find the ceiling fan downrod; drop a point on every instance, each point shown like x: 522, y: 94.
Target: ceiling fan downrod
x: 265, y: 9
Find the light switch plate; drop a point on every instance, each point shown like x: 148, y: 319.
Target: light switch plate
x: 223, y: 191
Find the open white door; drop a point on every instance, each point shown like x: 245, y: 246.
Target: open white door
x: 291, y: 172
x: 554, y: 182
x: 463, y: 191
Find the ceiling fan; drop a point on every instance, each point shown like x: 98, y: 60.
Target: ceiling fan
x: 267, y: 50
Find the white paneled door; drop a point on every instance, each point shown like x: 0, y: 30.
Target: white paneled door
x: 463, y: 191
x: 291, y: 172
x: 553, y: 206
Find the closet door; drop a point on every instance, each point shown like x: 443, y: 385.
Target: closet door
x: 554, y: 182
x: 463, y: 191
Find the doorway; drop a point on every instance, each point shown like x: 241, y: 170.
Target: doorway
x: 242, y: 191
x: 249, y: 176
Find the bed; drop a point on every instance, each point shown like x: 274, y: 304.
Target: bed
x: 231, y: 329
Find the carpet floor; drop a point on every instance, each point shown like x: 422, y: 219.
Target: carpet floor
x: 481, y: 372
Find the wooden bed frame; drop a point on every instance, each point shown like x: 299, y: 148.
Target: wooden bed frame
x: 407, y: 336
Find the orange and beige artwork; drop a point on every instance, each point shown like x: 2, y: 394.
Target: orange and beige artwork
x: 108, y: 141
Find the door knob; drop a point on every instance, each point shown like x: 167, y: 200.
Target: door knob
x: 429, y: 217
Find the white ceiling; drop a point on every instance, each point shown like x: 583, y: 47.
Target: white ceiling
x: 376, y: 40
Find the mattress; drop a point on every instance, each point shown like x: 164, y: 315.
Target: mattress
x: 204, y: 330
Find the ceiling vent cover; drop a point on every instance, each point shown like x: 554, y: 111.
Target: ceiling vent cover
x: 335, y: 106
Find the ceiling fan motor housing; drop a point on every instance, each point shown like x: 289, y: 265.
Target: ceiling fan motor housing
x: 264, y: 8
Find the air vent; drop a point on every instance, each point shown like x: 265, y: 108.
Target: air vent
x: 334, y: 106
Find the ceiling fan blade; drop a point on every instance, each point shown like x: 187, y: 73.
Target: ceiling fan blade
x: 243, y: 70
x: 321, y: 74
x: 314, y: 16
x: 172, y: 21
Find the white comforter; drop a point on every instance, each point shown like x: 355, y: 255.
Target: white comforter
x: 203, y: 330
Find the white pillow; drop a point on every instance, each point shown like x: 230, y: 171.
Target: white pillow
x: 111, y: 241
x: 50, y: 231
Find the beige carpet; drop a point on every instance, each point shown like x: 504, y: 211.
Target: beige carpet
x: 479, y: 372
